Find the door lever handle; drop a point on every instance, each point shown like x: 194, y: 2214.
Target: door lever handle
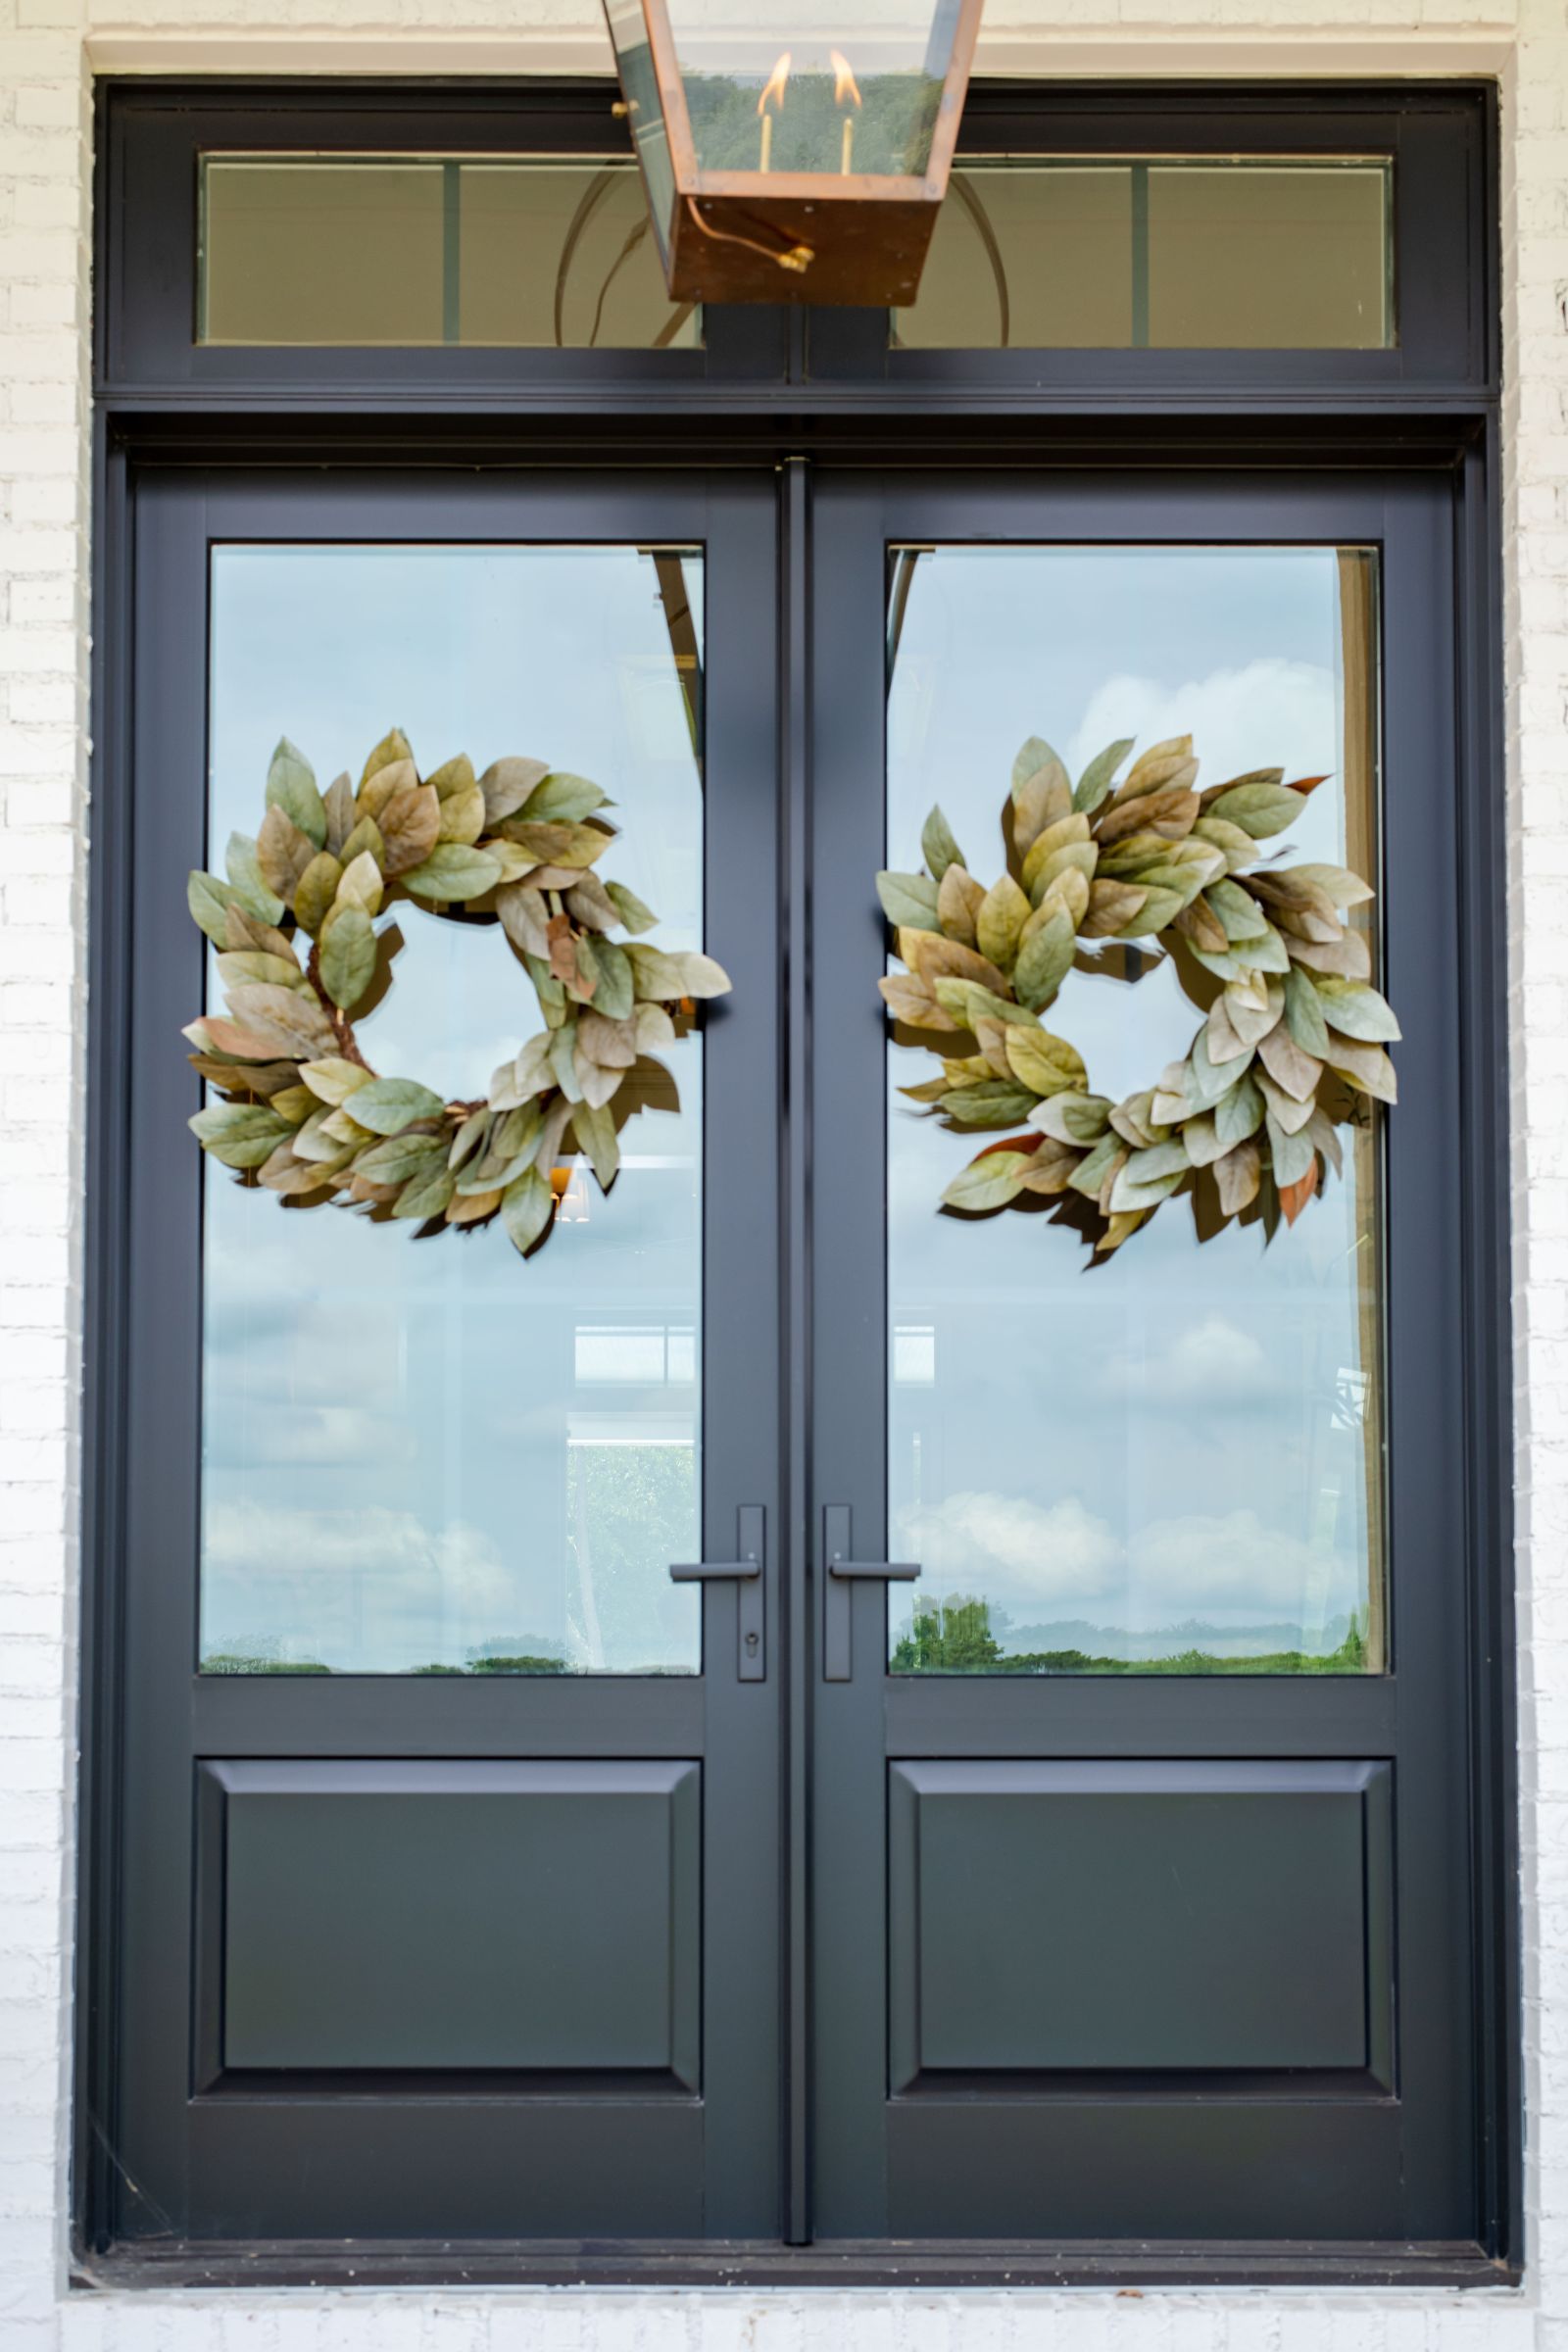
x: 750, y: 1541
x: 838, y: 1615
x: 891, y: 1572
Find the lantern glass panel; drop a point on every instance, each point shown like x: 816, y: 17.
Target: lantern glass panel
x: 800, y: 88
x: 638, y: 83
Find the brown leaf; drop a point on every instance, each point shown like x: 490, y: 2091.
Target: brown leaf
x: 1294, y: 1198
x: 613, y: 1045
x: 592, y: 905
x: 248, y: 932
x: 1367, y: 1067
x: 561, y: 951
x: 507, y: 784
x: 1284, y: 1060
x: 229, y: 1038
x: 249, y: 1078
x: 1110, y: 905
x: 934, y: 957
x: 283, y: 852
x: 1164, y: 767
x: 907, y: 997
x: 338, y: 801
x: 525, y: 918
x: 1347, y: 957
x: 571, y: 847
x: 411, y: 823
x: 1305, y: 916
x: 1238, y: 1175
x: 1172, y: 814
x: 1052, y: 1167
x: 1201, y: 925
x: 379, y: 789
x: 468, y: 1209
x: 960, y: 899
x: 1225, y: 1044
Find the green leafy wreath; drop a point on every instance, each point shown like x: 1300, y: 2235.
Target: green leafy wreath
x: 304, y: 1113
x: 1292, y: 1043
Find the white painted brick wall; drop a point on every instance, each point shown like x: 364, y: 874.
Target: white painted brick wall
x: 48, y: 49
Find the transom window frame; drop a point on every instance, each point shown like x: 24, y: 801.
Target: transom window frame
x: 1440, y: 139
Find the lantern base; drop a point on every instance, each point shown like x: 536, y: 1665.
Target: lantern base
x: 863, y: 249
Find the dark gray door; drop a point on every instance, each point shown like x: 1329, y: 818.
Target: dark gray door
x: 1139, y: 1881
x: 1108, y: 1882
x: 450, y: 1888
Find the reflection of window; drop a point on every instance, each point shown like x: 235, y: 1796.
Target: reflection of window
x: 414, y: 249
x: 1218, y: 253
x: 639, y: 1355
x: 914, y: 1356
x: 631, y: 1508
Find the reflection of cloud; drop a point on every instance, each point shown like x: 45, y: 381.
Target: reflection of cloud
x: 1267, y: 714
x: 1009, y: 1547
x: 1025, y: 1557
x: 1234, y: 1563
x: 1210, y: 1364
x: 328, y: 1569
x: 303, y: 1435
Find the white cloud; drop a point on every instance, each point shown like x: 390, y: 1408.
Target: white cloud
x: 1268, y: 713
x: 1186, y: 1566
x: 1036, y: 1562
x: 371, y: 1580
x: 1014, y: 1552
x: 1207, y: 1365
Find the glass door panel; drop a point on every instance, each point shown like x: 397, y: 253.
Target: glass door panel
x: 1168, y: 1460
x: 422, y: 1454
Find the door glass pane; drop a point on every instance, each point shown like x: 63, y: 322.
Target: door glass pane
x: 1170, y: 1460
x: 430, y: 1453
x: 544, y: 251
x: 1234, y: 253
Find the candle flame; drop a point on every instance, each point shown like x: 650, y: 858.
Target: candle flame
x: 845, y: 87
x: 774, y: 87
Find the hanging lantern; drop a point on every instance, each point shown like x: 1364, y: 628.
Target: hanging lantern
x: 790, y: 153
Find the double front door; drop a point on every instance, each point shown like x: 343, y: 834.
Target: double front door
x: 804, y: 1710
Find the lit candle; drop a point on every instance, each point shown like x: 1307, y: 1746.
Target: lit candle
x: 846, y: 93
x: 773, y: 88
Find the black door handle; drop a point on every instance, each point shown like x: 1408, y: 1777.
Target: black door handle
x: 751, y: 1548
x: 838, y: 1655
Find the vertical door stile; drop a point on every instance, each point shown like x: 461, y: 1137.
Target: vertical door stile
x: 794, y: 1566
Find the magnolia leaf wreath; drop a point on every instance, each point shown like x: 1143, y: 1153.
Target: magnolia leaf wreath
x: 1295, y: 1032
x: 304, y: 1113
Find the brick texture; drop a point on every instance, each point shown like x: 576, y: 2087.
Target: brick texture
x: 45, y: 297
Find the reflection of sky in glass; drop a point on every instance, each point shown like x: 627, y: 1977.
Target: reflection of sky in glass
x: 428, y: 1452
x: 1168, y: 1452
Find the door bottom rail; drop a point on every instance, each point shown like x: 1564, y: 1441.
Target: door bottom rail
x: 1131, y: 2263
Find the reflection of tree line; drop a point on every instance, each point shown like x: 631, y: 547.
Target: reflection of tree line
x: 239, y: 1661
x: 955, y: 1637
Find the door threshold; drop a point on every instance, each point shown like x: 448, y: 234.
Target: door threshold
x: 1130, y: 2265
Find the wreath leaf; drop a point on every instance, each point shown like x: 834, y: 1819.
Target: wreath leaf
x: 1152, y: 860
x: 517, y: 846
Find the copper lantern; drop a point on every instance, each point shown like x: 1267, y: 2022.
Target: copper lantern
x: 790, y: 153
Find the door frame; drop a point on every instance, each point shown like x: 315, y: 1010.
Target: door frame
x: 1449, y: 424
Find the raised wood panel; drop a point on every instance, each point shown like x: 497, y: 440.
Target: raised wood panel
x: 1135, y: 1917
x: 442, y: 1917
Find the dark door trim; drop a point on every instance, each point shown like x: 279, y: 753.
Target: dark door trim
x: 1493, y: 2258
x: 770, y: 411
